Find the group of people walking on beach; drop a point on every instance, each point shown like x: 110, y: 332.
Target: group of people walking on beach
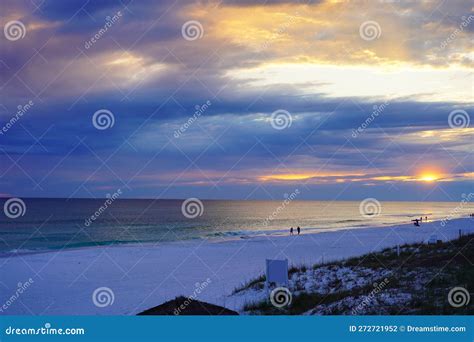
x: 417, y: 222
x: 298, y: 229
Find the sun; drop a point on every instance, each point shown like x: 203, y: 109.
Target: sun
x: 428, y: 178
x: 429, y: 174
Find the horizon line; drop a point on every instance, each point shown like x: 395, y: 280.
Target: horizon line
x: 220, y: 199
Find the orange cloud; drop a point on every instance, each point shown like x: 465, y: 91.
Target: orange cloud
x: 427, y: 175
x: 304, y: 176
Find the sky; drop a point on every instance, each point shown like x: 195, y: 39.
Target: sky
x: 342, y: 100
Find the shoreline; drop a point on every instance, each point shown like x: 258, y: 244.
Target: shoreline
x: 144, y: 276
x: 217, y: 237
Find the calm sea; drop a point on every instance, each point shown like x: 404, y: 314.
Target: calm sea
x: 49, y: 224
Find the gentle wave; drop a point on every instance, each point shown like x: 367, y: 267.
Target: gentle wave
x: 61, y: 222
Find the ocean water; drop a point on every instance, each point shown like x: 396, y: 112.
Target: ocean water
x: 52, y: 224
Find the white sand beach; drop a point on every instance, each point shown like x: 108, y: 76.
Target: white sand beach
x: 144, y: 276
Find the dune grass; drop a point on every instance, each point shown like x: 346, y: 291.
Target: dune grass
x: 425, y: 272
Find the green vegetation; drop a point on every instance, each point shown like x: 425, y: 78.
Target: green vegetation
x: 416, y: 282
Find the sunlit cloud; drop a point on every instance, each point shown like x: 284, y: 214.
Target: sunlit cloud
x: 443, y: 135
x: 425, y: 84
x: 209, y: 177
x: 428, y: 176
x: 292, y: 32
x: 305, y: 176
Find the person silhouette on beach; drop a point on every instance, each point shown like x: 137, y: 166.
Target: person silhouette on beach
x: 291, y: 231
x: 426, y: 218
x: 298, y: 229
